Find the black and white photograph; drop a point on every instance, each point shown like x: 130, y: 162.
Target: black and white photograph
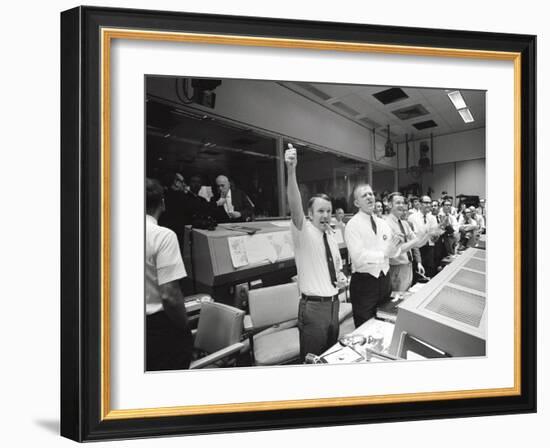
x: 280, y: 222
x: 301, y: 223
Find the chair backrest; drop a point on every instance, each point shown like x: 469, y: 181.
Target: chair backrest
x: 219, y: 326
x: 274, y: 304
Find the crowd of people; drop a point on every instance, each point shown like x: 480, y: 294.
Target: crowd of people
x: 392, y: 241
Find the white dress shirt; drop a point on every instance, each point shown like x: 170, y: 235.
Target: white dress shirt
x: 393, y: 223
x: 311, y: 259
x: 462, y: 222
x: 366, y: 248
x: 452, y: 220
x: 419, y: 226
x: 228, y: 204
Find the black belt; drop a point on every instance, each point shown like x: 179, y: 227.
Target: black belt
x: 320, y: 298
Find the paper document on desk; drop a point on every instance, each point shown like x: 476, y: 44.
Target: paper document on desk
x: 282, y: 244
x: 237, y: 249
x: 345, y: 355
x: 259, y: 249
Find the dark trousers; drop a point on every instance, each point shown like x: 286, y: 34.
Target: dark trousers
x: 167, y: 346
x: 440, y: 252
x: 366, y: 293
x: 427, y: 253
x: 318, y: 325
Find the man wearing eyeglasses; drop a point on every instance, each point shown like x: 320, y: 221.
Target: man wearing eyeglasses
x: 401, y: 266
x: 425, y: 222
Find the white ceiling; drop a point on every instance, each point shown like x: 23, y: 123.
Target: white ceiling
x: 360, y: 98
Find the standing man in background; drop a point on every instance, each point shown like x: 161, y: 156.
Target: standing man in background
x: 425, y: 222
x: 338, y: 221
x: 370, y: 243
x: 318, y: 263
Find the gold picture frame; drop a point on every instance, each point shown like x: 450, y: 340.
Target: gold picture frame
x: 86, y: 313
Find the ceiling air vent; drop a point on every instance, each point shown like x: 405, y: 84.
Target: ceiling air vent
x: 425, y: 125
x: 390, y: 95
x: 345, y: 108
x: 414, y: 111
x: 369, y: 122
x: 314, y: 91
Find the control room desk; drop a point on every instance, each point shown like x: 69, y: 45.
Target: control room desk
x: 445, y: 317
x: 208, y: 259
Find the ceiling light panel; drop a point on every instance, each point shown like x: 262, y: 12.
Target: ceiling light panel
x: 345, y: 108
x: 457, y: 100
x: 314, y: 91
x: 466, y: 115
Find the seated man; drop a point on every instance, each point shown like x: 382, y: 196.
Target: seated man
x: 478, y: 217
x: 231, y: 204
x: 482, y: 210
x: 467, y: 226
x: 449, y: 224
x: 169, y: 342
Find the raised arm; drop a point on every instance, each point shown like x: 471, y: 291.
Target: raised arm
x: 292, y: 191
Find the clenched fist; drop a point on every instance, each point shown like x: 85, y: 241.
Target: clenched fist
x: 291, y: 157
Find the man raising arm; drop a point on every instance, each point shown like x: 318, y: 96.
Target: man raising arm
x: 318, y: 263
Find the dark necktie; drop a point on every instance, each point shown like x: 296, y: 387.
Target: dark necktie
x: 373, y: 223
x: 438, y: 219
x: 409, y: 255
x: 330, y: 261
x: 425, y: 219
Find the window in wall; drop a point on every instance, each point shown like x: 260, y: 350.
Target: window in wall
x: 329, y: 173
x: 191, y: 143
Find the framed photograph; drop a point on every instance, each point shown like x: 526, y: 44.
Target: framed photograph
x: 191, y: 145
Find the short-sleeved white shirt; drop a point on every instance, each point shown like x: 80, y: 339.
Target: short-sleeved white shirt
x: 311, y: 259
x: 163, y: 263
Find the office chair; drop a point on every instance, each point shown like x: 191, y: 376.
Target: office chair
x: 272, y: 324
x: 218, y: 335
